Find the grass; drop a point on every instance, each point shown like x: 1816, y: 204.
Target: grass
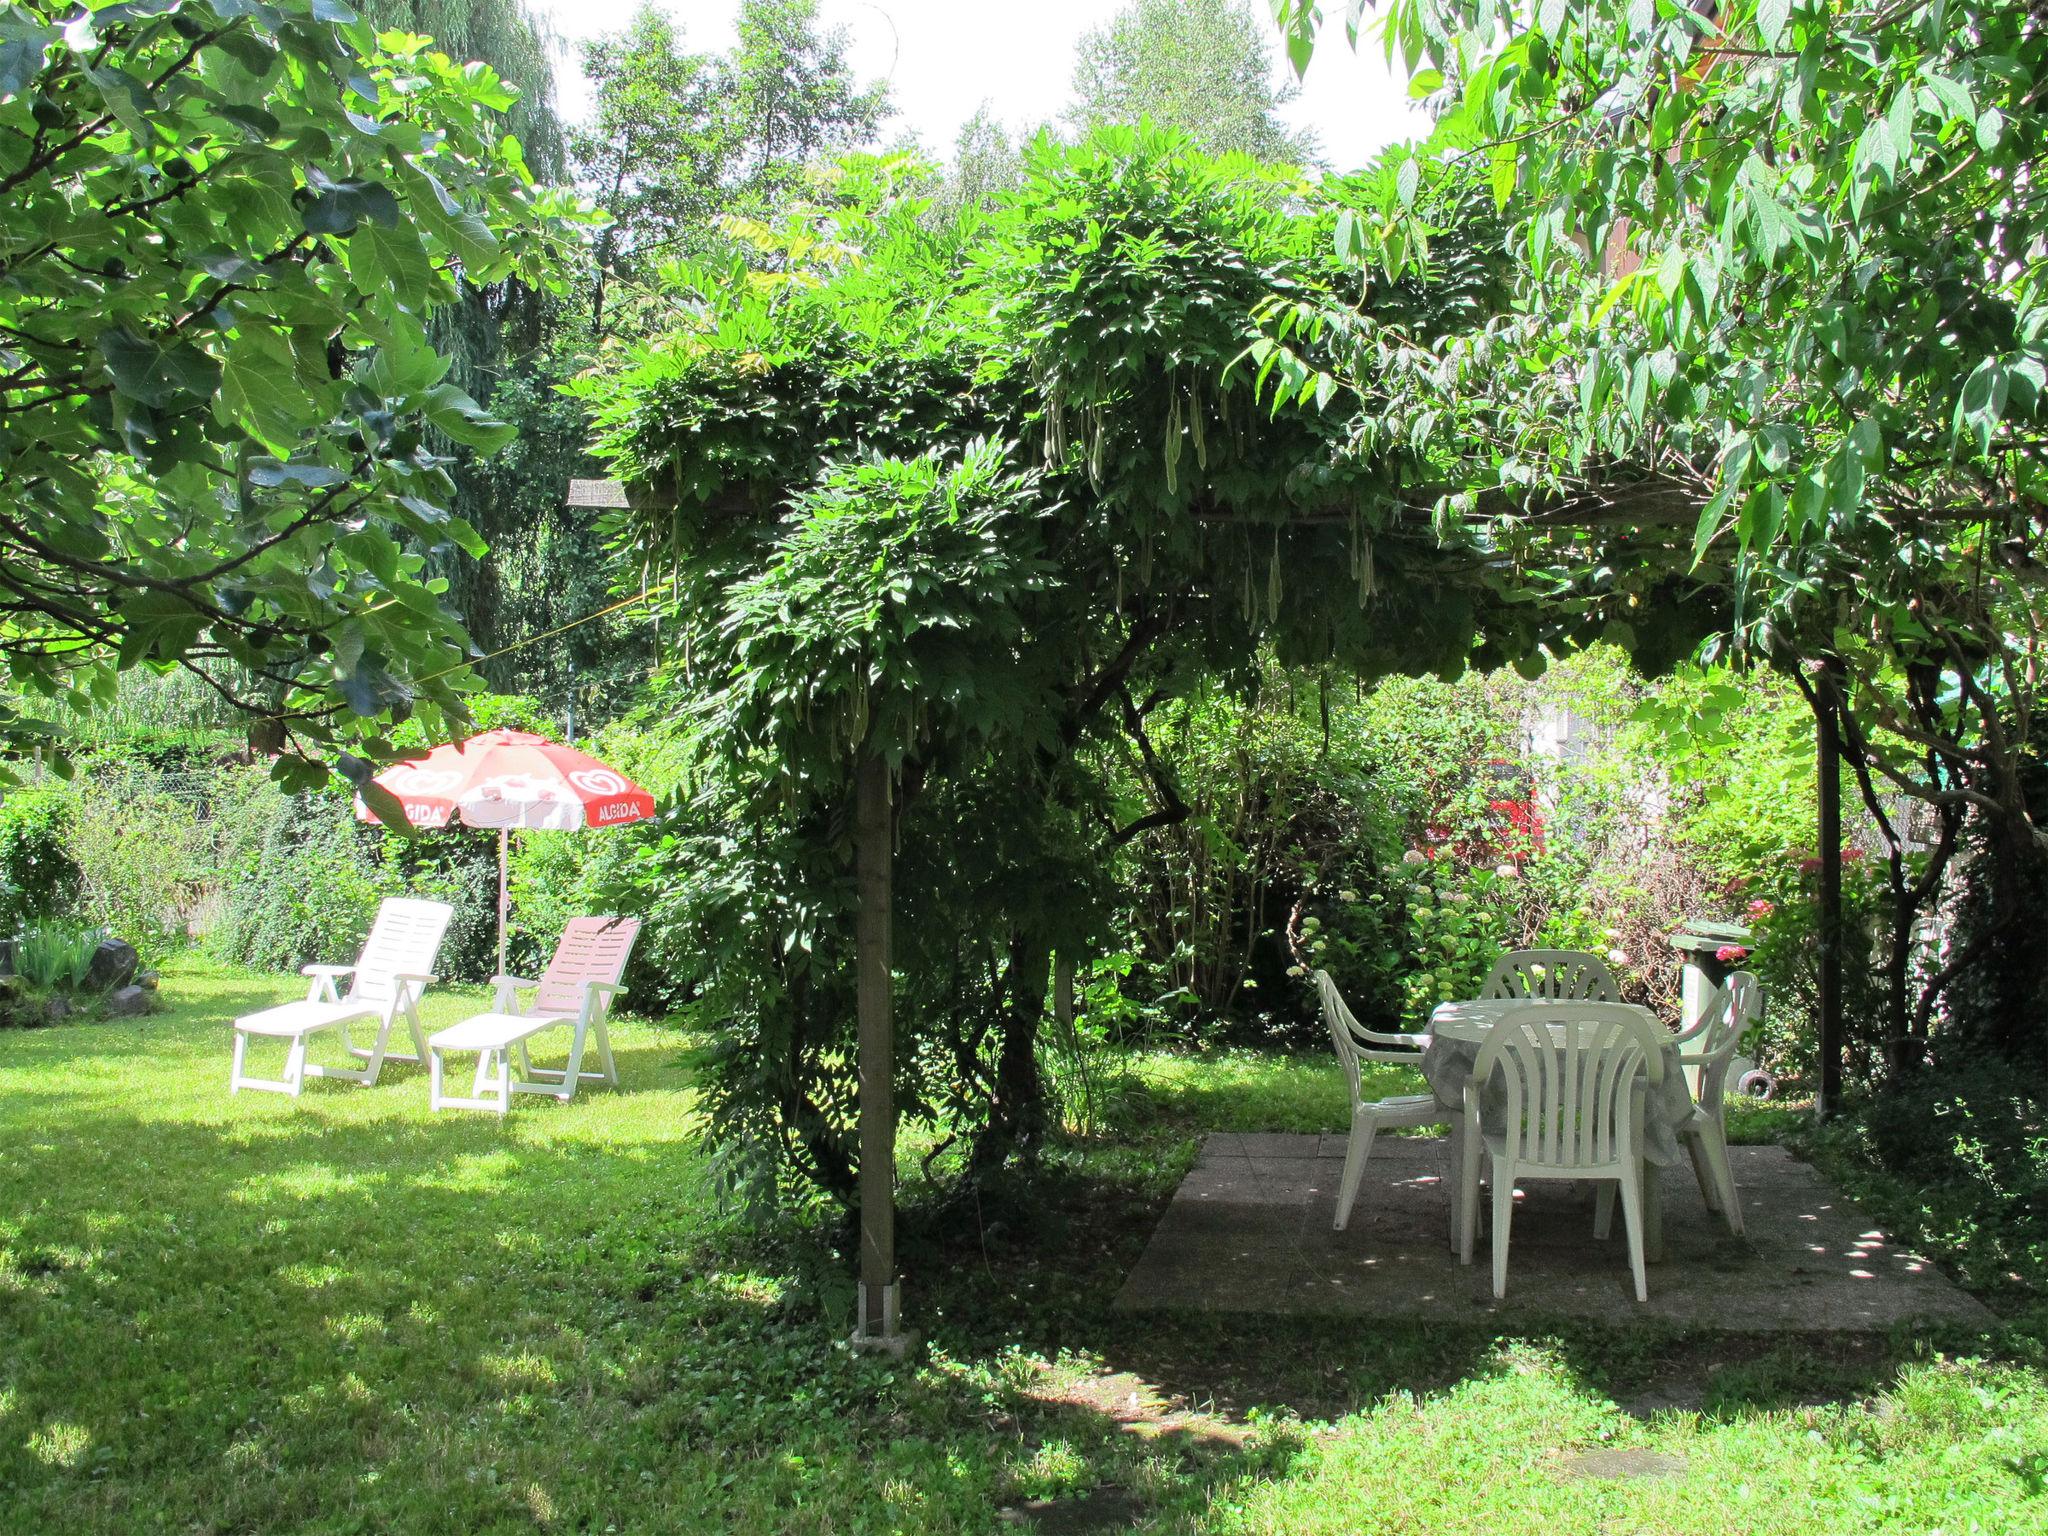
x: 348, y: 1315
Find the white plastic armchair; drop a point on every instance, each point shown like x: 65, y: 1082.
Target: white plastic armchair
x: 1557, y: 975
x: 1706, y: 1047
x: 1573, y: 1082
x: 395, y: 967
x: 1356, y: 1044
x: 575, y: 991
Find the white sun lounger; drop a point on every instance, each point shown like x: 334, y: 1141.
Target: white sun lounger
x: 396, y: 965
x: 575, y: 991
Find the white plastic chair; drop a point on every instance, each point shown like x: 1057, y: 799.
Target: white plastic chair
x: 1355, y: 1043
x: 1707, y: 1046
x: 1564, y: 975
x: 395, y: 967
x: 1574, y: 1082
x: 575, y: 991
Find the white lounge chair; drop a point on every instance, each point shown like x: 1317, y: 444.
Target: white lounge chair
x: 396, y: 965
x: 575, y: 991
x: 1355, y: 1043
x: 1707, y: 1047
x: 1574, y: 1083
x: 1558, y: 974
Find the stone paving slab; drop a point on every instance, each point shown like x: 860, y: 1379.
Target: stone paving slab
x: 1249, y: 1231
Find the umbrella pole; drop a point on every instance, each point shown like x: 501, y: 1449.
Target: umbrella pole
x: 504, y: 900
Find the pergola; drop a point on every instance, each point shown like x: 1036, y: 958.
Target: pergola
x: 880, y: 1312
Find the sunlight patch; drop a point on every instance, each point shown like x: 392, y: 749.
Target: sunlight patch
x: 758, y: 1290
x: 1055, y: 1467
x: 247, y: 1452
x: 60, y: 1444
x: 521, y: 1240
x: 539, y: 1505
x: 472, y: 1170
x: 525, y: 1369
x: 312, y: 1277
x: 308, y: 1181
x: 355, y: 1327
x: 321, y: 1395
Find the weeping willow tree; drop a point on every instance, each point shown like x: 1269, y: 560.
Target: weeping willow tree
x: 500, y: 334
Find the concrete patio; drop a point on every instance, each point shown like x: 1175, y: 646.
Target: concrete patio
x: 1249, y: 1231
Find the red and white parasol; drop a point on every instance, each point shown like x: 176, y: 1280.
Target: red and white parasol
x: 506, y: 779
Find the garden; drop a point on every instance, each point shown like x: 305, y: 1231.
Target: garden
x: 1036, y: 689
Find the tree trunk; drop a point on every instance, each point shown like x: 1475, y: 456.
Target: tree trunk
x: 1017, y: 1115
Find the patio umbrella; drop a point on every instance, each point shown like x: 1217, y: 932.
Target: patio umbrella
x: 507, y: 779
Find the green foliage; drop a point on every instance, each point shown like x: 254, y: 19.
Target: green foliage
x: 988, y: 625
x: 300, y: 880
x: 986, y: 163
x: 680, y: 141
x: 1282, y: 799
x: 54, y: 955
x: 144, y: 862
x: 1954, y: 1163
x: 547, y: 569
x: 1779, y: 330
x: 505, y: 35
x: 1993, y: 966
x: 38, y: 875
x: 229, y: 227
x: 1199, y: 65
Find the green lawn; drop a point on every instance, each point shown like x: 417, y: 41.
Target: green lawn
x: 346, y: 1314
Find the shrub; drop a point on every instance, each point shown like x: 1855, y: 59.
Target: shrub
x: 458, y: 865
x: 38, y: 876
x: 300, y: 879
x: 144, y: 862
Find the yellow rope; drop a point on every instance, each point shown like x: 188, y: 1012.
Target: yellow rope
x: 548, y: 634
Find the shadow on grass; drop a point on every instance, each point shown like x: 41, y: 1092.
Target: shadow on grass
x: 232, y: 1319
x: 466, y: 1323
x: 1039, y: 1262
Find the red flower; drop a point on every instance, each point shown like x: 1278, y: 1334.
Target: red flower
x: 1759, y: 908
x: 1728, y: 954
x: 1809, y: 866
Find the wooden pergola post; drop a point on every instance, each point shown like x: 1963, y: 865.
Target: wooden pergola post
x: 879, y: 1325
x: 874, y: 836
x: 1827, y: 761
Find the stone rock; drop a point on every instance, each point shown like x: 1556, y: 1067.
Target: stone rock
x: 6, y: 957
x: 56, y: 1010
x: 146, y: 979
x: 113, y: 965
x: 127, y: 1002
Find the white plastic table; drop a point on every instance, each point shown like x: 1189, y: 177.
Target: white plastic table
x: 1456, y: 1032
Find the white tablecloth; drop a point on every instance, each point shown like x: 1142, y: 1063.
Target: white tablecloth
x: 1457, y: 1030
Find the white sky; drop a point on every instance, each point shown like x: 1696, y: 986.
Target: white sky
x: 944, y: 58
